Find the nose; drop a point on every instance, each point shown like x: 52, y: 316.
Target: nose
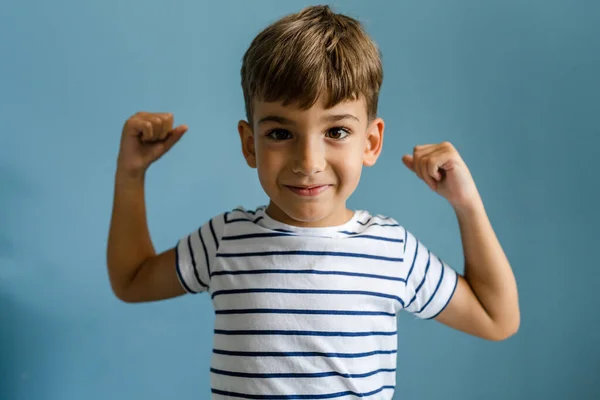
x: 308, y: 157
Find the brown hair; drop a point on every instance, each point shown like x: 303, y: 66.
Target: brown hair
x: 313, y: 52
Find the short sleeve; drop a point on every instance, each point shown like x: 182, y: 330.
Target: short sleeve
x: 196, y: 253
x: 430, y: 282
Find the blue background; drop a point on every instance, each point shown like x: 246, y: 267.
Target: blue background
x: 513, y: 84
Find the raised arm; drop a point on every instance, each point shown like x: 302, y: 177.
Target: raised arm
x: 485, y: 301
x: 135, y: 271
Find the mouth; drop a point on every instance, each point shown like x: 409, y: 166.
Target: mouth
x: 308, y: 191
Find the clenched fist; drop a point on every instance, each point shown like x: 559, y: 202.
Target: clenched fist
x: 145, y: 138
x: 445, y: 172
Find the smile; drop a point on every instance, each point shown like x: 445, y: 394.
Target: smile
x: 308, y: 191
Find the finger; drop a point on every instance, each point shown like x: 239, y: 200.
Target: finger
x: 426, y: 167
x: 165, y: 145
x: 419, y: 157
x: 166, y: 126
x: 408, y: 160
x: 161, y: 122
x: 180, y: 130
x: 175, y: 135
x: 139, y: 127
x: 423, y: 149
x: 157, y: 127
x: 433, y: 166
x: 419, y: 153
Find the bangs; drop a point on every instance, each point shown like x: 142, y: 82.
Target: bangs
x: 298, y: 61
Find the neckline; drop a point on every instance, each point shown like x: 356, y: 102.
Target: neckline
x: 268, y: 222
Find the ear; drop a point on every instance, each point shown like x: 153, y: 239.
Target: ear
x: 247, y: 141
x: 374, y: 142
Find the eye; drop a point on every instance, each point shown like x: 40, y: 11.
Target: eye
x: 279, y: 134
x: 338, y: 133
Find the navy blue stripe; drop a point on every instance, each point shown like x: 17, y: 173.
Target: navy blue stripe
x: 244, y: 211
x: 424, y: 278
x: 307, y: 312
x: 436, y: 288
x: 249, y: 211
x: 212, y: 230
x: 255, y: 235
x: 228, y: 221
x: 299, y: 375
x: 189, y: 243
x: 205, y: 252
x: 375, y: 223
x: 357, y: 235
x: 366, y: 222
x: 412, y: 266
x: 405, y: 239
x: 280, y: 332
x: 283, y: 230
x: 178, y: 269
x: 306, y: 271
x: 301, y: 396
x: 307, y: 291
x: 449, y: 298
x: 309, y: 253
x: 302, y: 353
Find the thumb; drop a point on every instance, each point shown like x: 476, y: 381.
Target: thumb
x: 172, y: 138
x: 408, y: 160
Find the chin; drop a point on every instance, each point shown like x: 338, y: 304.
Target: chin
x: 303, y: 213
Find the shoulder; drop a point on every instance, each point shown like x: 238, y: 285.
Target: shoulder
x: 242, y: 214
x: 379, y: 225
x: 368, y: 220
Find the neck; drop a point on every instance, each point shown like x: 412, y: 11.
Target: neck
x: 337, y: 217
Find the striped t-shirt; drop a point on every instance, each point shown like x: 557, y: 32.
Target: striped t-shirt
x: 309, y: 313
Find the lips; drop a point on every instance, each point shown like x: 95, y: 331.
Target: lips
x: 313, y: 190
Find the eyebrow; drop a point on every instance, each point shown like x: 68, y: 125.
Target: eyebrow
x: 287, y: 121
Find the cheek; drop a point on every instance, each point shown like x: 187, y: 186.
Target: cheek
x: 349, y: 164
x: 269, y: 163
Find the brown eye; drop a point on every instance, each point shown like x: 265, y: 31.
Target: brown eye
x: 279, y: 134
x: 338, y: 133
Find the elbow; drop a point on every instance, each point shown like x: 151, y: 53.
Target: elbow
x: 122, y: 285
x: 121, y: 291
x: 505, y: 331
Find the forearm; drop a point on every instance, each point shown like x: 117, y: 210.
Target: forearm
x: 487, y: 269
x: 129, y: 242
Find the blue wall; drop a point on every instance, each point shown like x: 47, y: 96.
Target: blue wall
x: 513, y: 84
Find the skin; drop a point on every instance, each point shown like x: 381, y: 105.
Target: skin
x: 302, y: 148
x: 293, y: 149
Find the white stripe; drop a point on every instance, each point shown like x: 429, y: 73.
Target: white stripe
x: 367, y: 293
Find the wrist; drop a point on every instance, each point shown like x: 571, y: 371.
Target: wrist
x: 129, y: 176
x: 472, y: 208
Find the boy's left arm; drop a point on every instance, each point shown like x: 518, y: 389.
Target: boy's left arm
x: 485, y: 303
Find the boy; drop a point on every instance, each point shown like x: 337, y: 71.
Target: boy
x: 306, y: 291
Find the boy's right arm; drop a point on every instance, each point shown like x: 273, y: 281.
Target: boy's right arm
x: 136, y: 272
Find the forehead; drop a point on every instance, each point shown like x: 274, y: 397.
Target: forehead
x: 356, y: 108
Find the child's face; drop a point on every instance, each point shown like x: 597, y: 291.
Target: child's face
x: 310, y: 161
